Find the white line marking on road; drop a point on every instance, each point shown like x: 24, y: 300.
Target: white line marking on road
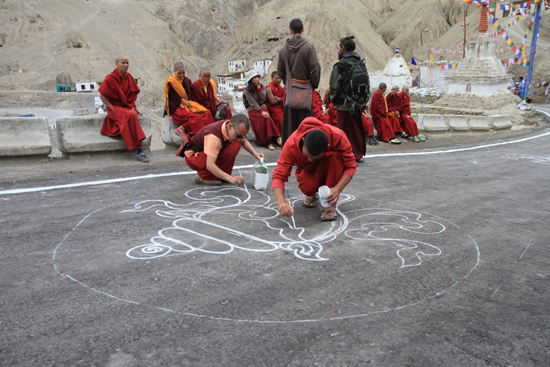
x: 115, y: 180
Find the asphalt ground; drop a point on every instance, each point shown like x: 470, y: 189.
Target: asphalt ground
x: 439, y: 257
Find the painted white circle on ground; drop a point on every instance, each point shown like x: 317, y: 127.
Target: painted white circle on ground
x: 224, y: 253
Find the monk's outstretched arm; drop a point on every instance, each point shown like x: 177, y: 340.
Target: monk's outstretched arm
x: 216, y: 171
x: 250, y: 149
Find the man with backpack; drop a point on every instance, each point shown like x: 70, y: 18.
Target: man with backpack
x: 349, y: 92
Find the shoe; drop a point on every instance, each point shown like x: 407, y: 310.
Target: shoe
x: 415, y: 139
x: 369, y: 140
x: 360, y: 160
x: 394, y: 141
x: 374, y: 141
x: 404, y: 134
x: 329, y: 219
x: 270, y: 147
x: 309, y: 202
x: 420, y: 138
x: 142, y: 158
x: 279, y: 141
x: 181, y: 132
x: 202, y: 181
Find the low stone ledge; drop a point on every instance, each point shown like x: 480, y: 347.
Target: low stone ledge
x: 434, y: 123
x: 81, y: 134
x: 499, y: 122
x: 457, y: 122
x: 169, y: 135
x: 419, y: 120
x: 479, y: 123
x: 24, y: 136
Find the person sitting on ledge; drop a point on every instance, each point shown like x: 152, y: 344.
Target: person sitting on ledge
x: 190, y: 115
x: 119, y: 92
x: 394, y: 111
x: 204, y: 92
x: 265, y: 129
x: 213, y: 150
x: 368, y: 127
x: 379, y: 113
x: 407, y: 122
x: 323, y: 156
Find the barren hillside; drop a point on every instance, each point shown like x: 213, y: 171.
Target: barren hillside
x: 41, y: 39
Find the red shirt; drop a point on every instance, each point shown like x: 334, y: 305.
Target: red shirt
x: 292, y: 151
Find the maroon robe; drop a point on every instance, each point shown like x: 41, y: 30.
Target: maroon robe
x: 394, y: 109
x: 276, y: 111
x: 122, y: 119
x: 379, y: 114
x: 407, y: 122
x: 207, y: 99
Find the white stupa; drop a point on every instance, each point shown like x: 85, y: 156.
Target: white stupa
x: 480, y: 73
x: 397, y: 72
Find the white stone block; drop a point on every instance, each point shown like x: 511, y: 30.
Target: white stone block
x: 479, y: 123
x: 434, y: 123
x: 169, y: 135
x: 500, y: 122
x: 24, y: 136
x: 457, y: 122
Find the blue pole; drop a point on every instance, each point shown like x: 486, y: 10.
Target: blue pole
x: 533, y: 50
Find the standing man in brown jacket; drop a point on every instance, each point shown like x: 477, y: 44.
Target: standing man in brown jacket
x: 304, y: 68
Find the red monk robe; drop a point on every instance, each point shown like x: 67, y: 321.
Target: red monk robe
x: 407, y: 122
x: 208, y: 98
x: 368, y: 127
x: 337, y: 160
x: 276, y: 111
x: 191, y: 119
x: 394, y: 109
x: 318, y: 111
x: 122, y: 120
x: 379, y: 113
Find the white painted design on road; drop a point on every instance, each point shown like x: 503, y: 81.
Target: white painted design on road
x: 195, y: 227
x: 533, y: 158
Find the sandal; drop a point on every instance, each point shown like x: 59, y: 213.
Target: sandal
x: 310, y: 202
x: 329, y: 219
x: 181, y: 131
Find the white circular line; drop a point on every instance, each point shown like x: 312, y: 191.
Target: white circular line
x: 115, y: 180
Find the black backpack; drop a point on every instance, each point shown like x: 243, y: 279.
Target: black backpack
x: 358, y: 90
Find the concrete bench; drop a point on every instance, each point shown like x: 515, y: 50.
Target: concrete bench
x: 169, y: 136
x: 479, y: 123
x: 458, y: 122
x: 434, y: 123
x: 81, y: 134
x: 24, y: 136
x: 419, y: 119
x: 500, y: 122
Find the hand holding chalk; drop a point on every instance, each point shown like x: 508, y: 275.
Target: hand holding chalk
x: 292, y: 216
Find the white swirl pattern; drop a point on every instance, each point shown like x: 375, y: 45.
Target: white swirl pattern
x: 195, y: 228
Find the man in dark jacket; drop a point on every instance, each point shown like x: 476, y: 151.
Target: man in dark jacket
x: 350, y: 123
x: 304, y: 67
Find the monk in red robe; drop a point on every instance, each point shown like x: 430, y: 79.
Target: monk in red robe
x: 407, y: 122
x: 190, y: 115
x: 329, y: 109
x: 322, y: 155
x: 368, y: 127
x: 318, y: 111
x: 213, y: 150
x: 394, y: 111
x: 119, y: 91
x: 379, y: 113
x: 275, y: 100
x: 204, y: 92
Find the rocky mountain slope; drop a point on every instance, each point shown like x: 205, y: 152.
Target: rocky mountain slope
x: 41, y: 39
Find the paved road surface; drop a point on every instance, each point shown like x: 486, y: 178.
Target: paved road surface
x: 439, y: 258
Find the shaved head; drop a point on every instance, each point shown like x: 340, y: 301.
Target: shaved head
x: 204, y: 70
x: 119, y: 57
x: 382, y: 86
x: 179, y: 65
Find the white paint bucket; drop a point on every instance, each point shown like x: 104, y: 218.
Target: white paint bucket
x: 261, y: 175
x: 324, y: 191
